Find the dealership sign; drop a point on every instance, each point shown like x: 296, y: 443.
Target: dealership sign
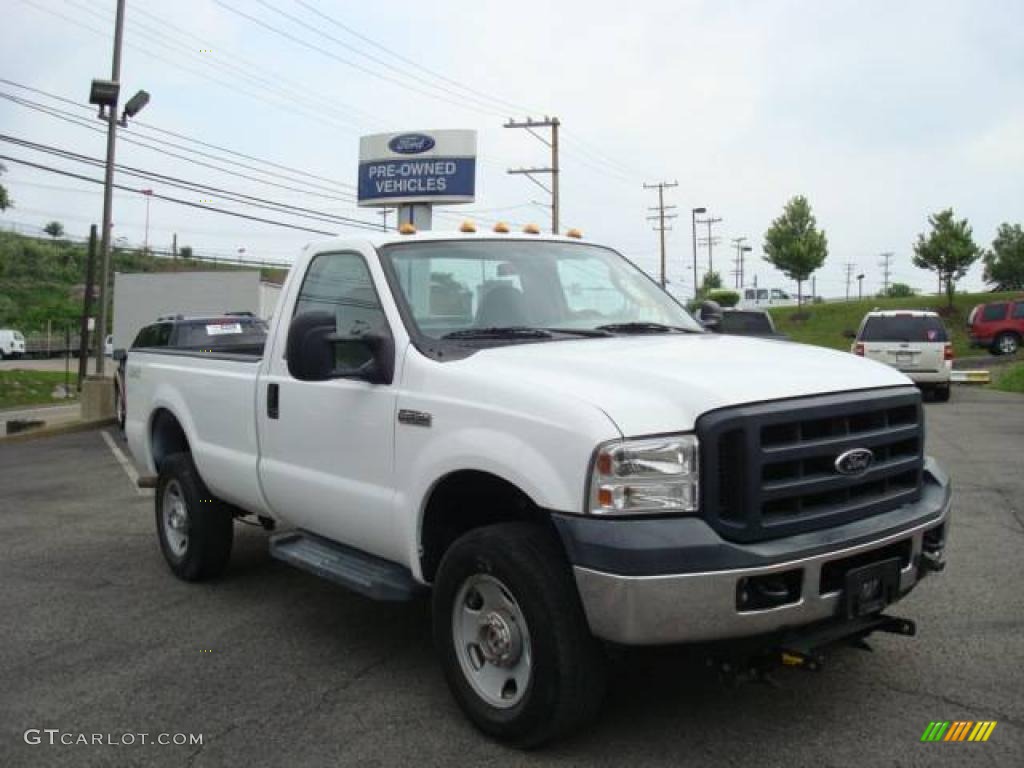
x: 417, y: 167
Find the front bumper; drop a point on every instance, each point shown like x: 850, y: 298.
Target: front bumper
x: 674, y: 580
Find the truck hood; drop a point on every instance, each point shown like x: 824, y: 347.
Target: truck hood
x: 655, y: 384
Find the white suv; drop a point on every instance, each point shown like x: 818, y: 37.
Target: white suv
x: 913, y: 341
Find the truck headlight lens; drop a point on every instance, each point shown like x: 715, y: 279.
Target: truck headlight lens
x: 650, y: 476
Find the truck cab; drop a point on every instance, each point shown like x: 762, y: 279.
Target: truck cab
x: 529, y: 430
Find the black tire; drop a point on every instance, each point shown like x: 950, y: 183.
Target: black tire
x: 568, y: 674
x: 1006, y: 344
x: 119, y: 408
x: 209, y: 524
x: 941, y: 393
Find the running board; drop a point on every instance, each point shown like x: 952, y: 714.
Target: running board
x: 366, y: 574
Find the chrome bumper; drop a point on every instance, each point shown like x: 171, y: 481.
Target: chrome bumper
x: 691, y: 607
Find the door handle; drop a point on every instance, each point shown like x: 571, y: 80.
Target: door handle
x: 273, y: 401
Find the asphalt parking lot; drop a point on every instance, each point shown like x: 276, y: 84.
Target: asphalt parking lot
x: 274, y: 667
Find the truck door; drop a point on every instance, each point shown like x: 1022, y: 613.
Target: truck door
x: 326, y: 447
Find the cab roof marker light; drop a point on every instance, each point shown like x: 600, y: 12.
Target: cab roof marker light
x: 531, y: 229
x: 574, y: 233
x: 407, y: 229
x: 501, y: 228
x: 468, y: 227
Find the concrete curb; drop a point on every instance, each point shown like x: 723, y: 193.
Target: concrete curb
x: 57, y: 429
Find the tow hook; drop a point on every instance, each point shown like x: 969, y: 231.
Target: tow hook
x: 933, y: 561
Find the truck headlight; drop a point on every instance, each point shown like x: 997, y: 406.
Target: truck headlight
x: 650, y: 476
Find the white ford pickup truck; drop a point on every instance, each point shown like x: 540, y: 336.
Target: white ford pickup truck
x: 528, y: 428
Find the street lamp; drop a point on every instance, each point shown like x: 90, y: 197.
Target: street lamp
x: 693, y: 227
x: 104, y: 94
x: 860, y: 287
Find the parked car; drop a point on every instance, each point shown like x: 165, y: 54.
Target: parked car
x: 748, y: 322
x: 997, y: 325
x: 12, y: 344
x: 108, y: 346
x: 230, y: 333
x: 528, y: 426
x: 913, y: 341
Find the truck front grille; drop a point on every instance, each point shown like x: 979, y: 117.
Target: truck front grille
x: 769, y: 470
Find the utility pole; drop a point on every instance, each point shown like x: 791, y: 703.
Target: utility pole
x: 850, y: 266
x: 548, y: 122
x: 741, y: 248
x: 884, y: 264
x: 693, y: 229
x: 108, y: 193
x: 174, y: 251
x: 710, y: 221
x: 384, y: 213
x: 145, y: 242
x: 660, y: 217
x: 90, y: 277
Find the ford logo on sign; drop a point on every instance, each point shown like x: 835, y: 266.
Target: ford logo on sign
x: 411, y: 144
x: 856, y: 461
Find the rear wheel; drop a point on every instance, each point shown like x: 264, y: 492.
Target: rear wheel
x: 1006, y: 344
x: 195, y: 529
x: 942, y: 393
x: 513, y: 640
x: 119, y: 407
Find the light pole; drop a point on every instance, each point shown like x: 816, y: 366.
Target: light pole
x: 104, y: 93
x: 145, y: 243
x: 693, y: 228
x: 860, y: 287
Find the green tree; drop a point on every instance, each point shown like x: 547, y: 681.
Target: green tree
x: 5, y: 199
x: 54, y: 229
x: 794, y: 245
x: 712, y: 281
x: 1004, y: 263
x: 948, y: 250
x: 724, y: 298
x: 899, y: 291
x: 185, y: 252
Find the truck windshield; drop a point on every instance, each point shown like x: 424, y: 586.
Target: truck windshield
x: 903, y: 328
x: 455, y: 287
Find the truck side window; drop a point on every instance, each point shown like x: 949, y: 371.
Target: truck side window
x: 1018, y: 310
x: 995, y: 311
x: 340, y: 283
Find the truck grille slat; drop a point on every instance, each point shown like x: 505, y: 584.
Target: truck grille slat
x: 769, y: 470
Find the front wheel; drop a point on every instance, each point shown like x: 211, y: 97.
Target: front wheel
x: 195, y: 529
x: 512, y: 637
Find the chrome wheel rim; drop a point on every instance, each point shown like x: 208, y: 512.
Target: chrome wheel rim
x: 1007, y: 345
x: 175, y: 518
x: 492, y: 641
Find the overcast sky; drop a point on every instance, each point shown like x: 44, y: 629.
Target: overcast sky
x: 879, y: 112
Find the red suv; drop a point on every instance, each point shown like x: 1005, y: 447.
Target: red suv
x: 998, y: 325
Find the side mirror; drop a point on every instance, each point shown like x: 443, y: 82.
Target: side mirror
x: 119, y: 355
x: 848, y: 334
x: 316, y: 352
x: 710, y: 314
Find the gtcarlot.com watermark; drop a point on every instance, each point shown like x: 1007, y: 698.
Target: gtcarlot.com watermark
x: 57, y: 737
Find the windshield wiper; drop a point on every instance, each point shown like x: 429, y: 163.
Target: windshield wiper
x: 500, y: 332
x: 642, y: 327
x: 588, y: 332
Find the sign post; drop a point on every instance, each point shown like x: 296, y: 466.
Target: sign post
x: 415, y: 171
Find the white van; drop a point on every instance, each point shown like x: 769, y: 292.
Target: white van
x: 754, y: 297
x: 12, y: 344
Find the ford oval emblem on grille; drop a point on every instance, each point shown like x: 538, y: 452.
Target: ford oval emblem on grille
x: 411, y: 143
x: 856, y: 461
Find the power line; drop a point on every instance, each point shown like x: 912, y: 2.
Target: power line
x: 202, y: 206
x: 257, y: 202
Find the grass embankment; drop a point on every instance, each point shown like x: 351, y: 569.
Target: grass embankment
x: 824, y: 323
x: 19, y: 388
x: 1010, y: 379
